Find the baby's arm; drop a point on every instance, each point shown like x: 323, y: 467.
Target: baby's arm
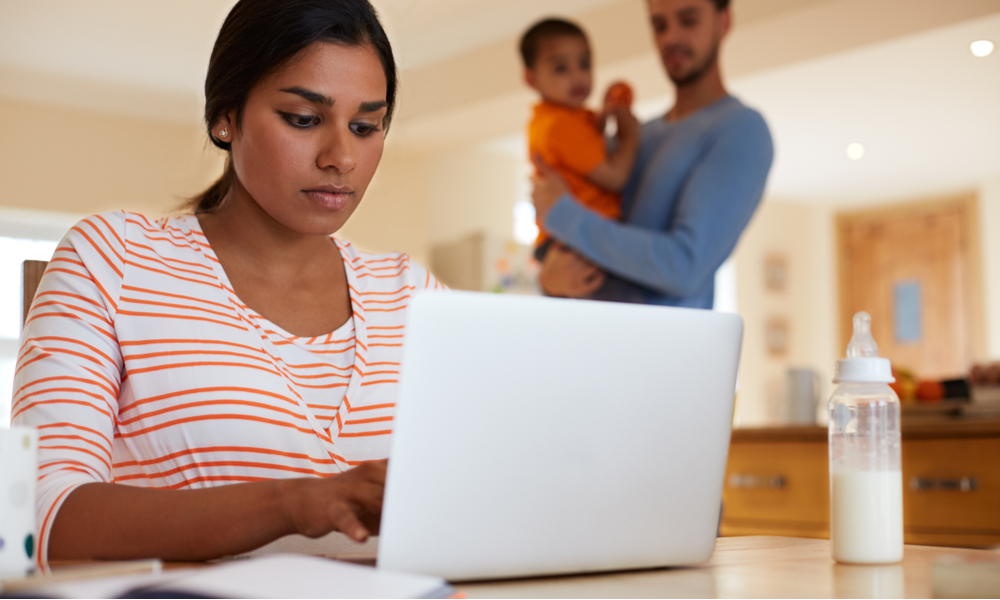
x: 613, y: 173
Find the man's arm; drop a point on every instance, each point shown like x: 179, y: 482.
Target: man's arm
x: 715, y: 206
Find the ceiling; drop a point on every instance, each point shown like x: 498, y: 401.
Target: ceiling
x: 925, y: 109
x: 923, y: 106
x: 165, y: 45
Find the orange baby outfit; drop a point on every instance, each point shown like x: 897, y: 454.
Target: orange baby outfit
x: 567, y: 139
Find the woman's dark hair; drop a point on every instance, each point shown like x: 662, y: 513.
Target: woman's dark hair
x: 258, y: 38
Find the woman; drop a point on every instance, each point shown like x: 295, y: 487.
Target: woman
x: 221, y: 364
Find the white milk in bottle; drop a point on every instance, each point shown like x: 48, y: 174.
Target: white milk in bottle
x: 866, y: 480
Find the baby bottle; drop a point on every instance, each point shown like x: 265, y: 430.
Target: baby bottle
x: 866, y: 479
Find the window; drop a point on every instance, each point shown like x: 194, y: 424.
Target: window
x: 525, y: 229
x: 23, y: 236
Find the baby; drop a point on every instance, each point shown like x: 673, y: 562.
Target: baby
x: 563, y: 133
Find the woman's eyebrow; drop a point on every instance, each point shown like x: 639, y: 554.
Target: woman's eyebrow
x: 310, y: 95
x: 372, y: 106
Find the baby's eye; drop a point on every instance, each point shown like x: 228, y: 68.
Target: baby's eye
x: 299, y: 121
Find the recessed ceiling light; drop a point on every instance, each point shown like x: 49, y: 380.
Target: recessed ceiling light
x: 981, y: 48
x: 855, y: 151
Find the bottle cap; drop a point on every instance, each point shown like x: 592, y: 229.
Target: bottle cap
x: 863, y: 363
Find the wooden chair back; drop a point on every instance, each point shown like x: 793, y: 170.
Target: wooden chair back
x: 31, y: 276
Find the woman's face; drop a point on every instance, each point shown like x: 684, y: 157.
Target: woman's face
x: 311, y: 137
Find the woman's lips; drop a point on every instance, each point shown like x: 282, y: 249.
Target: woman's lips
x: 330, y: 197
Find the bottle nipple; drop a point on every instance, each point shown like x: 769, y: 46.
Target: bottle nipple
x: 862, y: 343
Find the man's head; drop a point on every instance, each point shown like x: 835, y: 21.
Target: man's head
x: 687, y: 34
x: 556, y: 58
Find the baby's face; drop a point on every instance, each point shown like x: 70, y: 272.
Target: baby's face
x: 562, y: 70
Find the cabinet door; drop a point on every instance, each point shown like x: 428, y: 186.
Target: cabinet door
x: 951, y: 491
x: 776, y: 488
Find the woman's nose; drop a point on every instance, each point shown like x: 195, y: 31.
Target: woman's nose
x: 337, y: 152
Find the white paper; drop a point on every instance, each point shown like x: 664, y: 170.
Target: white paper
x: 276, y: 576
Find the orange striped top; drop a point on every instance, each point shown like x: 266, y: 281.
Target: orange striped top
x: 140, y: 365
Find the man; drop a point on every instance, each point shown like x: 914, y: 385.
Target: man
x: 698, y: 178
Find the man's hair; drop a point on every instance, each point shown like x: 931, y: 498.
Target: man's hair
x: 545, y: 30
x: 720, y: 4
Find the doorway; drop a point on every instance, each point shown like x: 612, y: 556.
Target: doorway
x: 915, y: 269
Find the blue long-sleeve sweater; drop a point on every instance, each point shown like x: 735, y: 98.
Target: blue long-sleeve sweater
x: 695, y: 185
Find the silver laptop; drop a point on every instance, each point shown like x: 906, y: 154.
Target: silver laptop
x: 537, y: 436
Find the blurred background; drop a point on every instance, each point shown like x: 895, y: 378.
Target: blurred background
x: 884, y: 196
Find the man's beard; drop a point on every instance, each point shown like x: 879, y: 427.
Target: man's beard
x: 698, y: 71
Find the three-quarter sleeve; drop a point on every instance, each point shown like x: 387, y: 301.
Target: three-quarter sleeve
x: 69, y: 368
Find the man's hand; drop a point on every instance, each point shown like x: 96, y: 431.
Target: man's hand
x: 549, y: 186
x: 566, y: 274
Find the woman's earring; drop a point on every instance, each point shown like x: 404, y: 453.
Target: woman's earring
x: 223, y: 133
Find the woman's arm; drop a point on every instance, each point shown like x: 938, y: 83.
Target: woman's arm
x: 68, y: 385
x: 112, y: 521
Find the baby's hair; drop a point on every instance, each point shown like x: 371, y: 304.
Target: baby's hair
x: 546, y: 30
x: 720, y: 5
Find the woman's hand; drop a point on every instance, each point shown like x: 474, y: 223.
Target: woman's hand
x: 123, y: 522
x: 566, y: 274
x: 350, y: 502
x: 549, y: 186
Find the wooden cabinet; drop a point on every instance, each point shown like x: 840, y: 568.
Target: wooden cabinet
x: 777, y: 483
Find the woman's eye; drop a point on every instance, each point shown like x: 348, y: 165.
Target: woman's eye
x: 299, y: 121
x: 363, y: 129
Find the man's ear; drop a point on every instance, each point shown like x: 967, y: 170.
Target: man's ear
x: 529, y: 78
x: 725, y: 22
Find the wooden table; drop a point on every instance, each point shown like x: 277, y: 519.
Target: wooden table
x: 742, y: 567
x: 749, y: 567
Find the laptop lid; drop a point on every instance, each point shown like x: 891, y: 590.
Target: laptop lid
x: 536, y: 436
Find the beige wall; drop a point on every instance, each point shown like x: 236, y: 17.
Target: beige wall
x: 989, y: 222
x: 471, y: 190
x: 803, y: 234
x: 394, y: 214
x: 78, y: 162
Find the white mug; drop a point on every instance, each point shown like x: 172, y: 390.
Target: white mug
x: 802, y: 392
x: 18, y: 472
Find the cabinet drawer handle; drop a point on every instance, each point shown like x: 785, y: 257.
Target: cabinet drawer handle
x: 738, y: 480
x: 964, y: 484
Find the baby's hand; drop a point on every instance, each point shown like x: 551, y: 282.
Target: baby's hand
x: 619, y: 94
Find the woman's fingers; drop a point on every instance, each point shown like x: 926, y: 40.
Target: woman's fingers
x: 344, y: 519
x: 350, y: 502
